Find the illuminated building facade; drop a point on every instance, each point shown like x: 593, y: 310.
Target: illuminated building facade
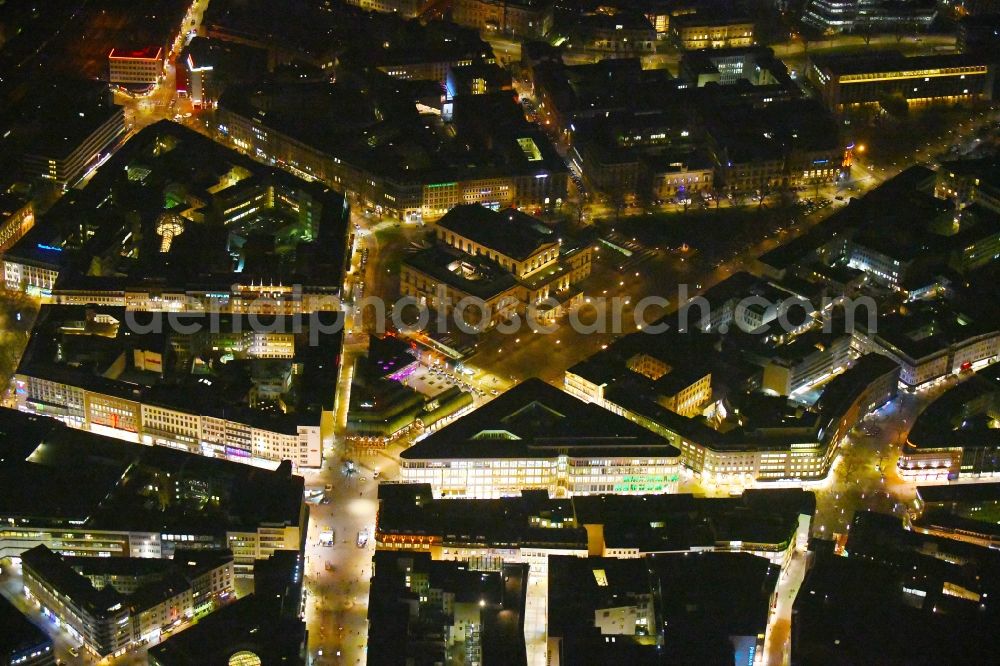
x: 952, y: 439
x: 831, y: 15
x: 88, y: 141
x: 774, y: 440
x: 675, y: 179
x: 17, y: 216
x: 698, y: 31
x: 114, y: 605
x: 868, y: 16
x: 135, y: 67
x: 34, y: 276
x: 247, y: 198
x: 233, y: 298
x: 929, y: 343
x: 530, y: 527
x: 538, y: 183
x: 804, y: 361
x: 970, y: 182
x: 537, y: 437
x: 128, y: 402
x: 851, y: 81
x: 622, y: 33
x: 91, y: 523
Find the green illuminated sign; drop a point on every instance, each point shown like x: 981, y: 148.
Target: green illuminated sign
x: 645, y: 484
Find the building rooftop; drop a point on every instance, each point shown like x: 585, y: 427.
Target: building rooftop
x: 892, y: 61
x: 172, y: 219
x: 509, y: 232
x: 96, y: 348
x: 951, y: 420
x: 849, y: 608
x: 57, y: 574
x: 315, y: 33
x: 708, y: 18
x: 250, y: 626
x: 960, y: 493
x: 535, y: 419
x: 926, y: 328
x: 370, y: 119
x: 18, y: 635
x: 100, y: 482
x: 145, y: 53
x: 56, y: 116
x: 968, y: 509
x: 471, y: 274
x: 910, y: 185
x: 399, y: 592
x: 844, y: 388
x: 706, y: 605
x: 649, y: 523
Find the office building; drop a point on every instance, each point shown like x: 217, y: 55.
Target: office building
x: 135, y: 67
x: 970, y: 181
x: 740, y: 436
x: 959, y: 511
x: 941, y: 223
x: 852, y: 81
x: 508, y: 162
x: 760, y: 150
x: 980, y: 33
x: 727, y: 66
x: 78, y: 147
x: 671, y: 367
x: 869, y: 16
x: 207, y: 66
x: 79, y: 501
x: 384, y: 406
x: 476, y: 79
x: 62, y: 129
x: 622, y: 34
x: 831, y: 15
x: 806, y: 360
x: 404, y: 8
x: 866, y: 386
x: 535, y: 436
x: 930, y: 340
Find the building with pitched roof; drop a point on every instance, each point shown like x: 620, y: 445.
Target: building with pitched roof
x: 535, y: 436
x: 504, y: 261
